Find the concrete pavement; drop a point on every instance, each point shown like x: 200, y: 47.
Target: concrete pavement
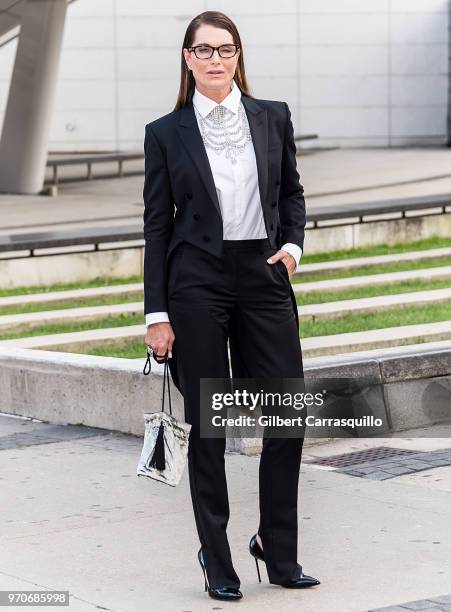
x: 329, y: 177
x: 75, y: 516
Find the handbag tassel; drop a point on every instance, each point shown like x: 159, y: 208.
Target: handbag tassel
x: 158, y: 461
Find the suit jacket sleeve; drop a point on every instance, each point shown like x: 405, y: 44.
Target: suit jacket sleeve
x: 158, y: 223
x: 291, y: 198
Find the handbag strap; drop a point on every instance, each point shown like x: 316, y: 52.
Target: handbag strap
x: 149, y: 363
x: 147, y: 369
x: 166, y: 375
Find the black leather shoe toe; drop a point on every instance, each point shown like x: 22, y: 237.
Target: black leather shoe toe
x: 302, y: 582
x: 225, y: 593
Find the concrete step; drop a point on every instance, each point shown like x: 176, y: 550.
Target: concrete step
x: 131, y: 288
x: 376, y: 338
x: 374, y: 260
x: 29, y: 320
x: 67, y: 341
x: 339, y: 284
x: 379, y: 302
x: 338, y: 308
x: 321, y: 345
x: 70, y: 294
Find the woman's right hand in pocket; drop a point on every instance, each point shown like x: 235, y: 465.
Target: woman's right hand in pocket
x: 160, y: 338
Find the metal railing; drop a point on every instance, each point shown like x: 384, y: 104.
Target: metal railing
x: 89, y: 160
x: 119, y: 157
x: 35, y: 244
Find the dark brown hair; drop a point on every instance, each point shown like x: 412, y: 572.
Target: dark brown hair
x: 187, y: 82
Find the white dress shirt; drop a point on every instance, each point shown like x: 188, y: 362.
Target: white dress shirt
x: 236, y: 186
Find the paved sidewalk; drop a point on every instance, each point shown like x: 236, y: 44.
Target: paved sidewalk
x: 330, y: 177
x: 75, y: 516
x: 437, y: 604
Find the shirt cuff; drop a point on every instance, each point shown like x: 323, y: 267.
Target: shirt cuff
x: 293, y: 249
x: 157, y: 317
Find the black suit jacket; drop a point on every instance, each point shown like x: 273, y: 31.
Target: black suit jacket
x: 180, y: 198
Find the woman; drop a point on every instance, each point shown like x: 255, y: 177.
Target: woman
x: 221, y: 192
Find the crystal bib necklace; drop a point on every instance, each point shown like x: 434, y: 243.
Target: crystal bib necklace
x: 223, y: 130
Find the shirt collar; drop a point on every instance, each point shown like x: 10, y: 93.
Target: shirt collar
x: 205, y: 105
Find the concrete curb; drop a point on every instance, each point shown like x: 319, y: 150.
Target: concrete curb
x: 338, y: 284
x: 112, y: 393
x: 373, y: 260
x: 29, y: 320
x: 314, y: 346
x: 121, y: 263
x: 376, y: 338
x: 69, y: 294
x: 379, y: 302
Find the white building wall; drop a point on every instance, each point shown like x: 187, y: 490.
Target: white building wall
x: 356, y: 72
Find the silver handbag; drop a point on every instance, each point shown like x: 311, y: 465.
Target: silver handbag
x: 165, y: 448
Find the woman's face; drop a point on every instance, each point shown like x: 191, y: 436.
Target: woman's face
x: 215, y: 74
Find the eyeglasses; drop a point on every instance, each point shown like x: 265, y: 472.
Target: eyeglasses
x: 205, y: 51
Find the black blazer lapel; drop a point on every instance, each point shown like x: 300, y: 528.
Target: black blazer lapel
x: 192, y: 140
x: 258, y: 125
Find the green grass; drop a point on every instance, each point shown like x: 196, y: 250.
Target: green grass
x: 347, y: 323
x: 137, y: 350
x: 395, y: 317
x: 305, y: 298
x: 62, y: 328
x: 323, y: 327
x: 123, y: 298
x: 321, y: 297
x: 377, y: 269
x: 311, y: 297
x: 100, y: 281
x: 434, y: 242
x: 131, y: 350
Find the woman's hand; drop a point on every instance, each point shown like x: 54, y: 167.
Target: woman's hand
x: 287, y: 259
x: 160, y: 338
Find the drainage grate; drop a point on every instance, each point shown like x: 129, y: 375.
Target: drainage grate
x: 48, y: 435
x: 442, y: 603
x: 363, y: 456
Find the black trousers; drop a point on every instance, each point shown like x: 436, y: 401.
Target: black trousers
x: 210, y: 298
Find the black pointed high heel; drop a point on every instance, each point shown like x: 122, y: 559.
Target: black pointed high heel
x: 302, y: 582
x: 225, y: 593
x: 256, y: 552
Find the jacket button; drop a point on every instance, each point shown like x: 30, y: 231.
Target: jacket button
x: 189, y: 196
x: 271, y: 226
x: 196, y: 216
x: 206, y: 238
x: 277, y: 182
x: 273, y: 204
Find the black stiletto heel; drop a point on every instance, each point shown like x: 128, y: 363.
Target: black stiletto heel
x: 258, y: 570
x: 205, y: 576
x: 256, y: 551
x: 225, y: 593
x: 302, y: 582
